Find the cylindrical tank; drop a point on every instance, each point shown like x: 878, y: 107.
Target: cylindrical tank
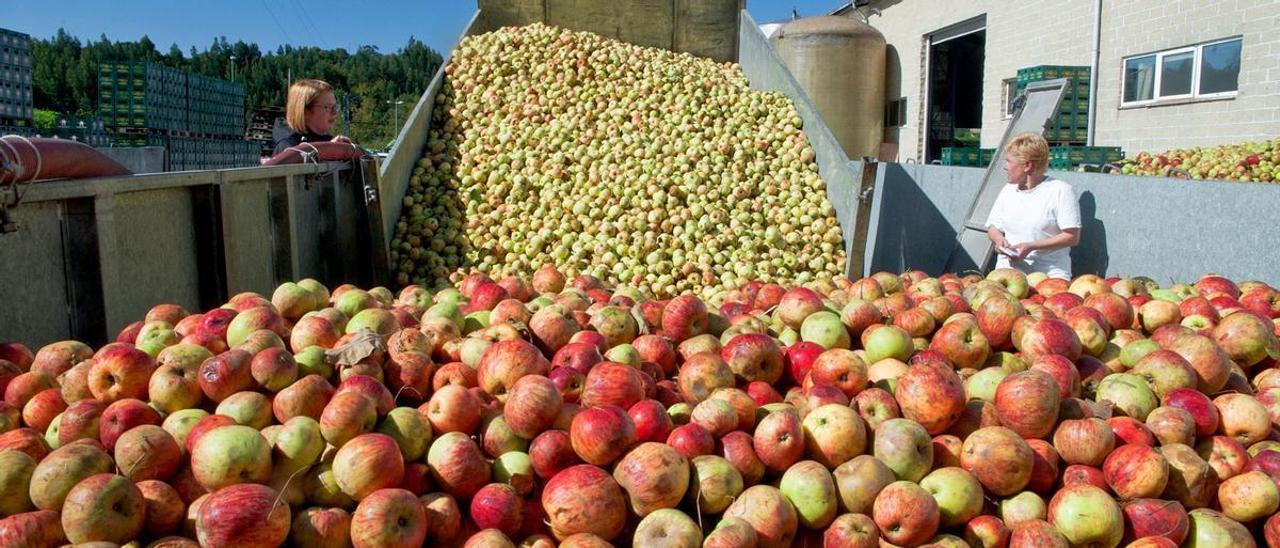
x: 839, y: 62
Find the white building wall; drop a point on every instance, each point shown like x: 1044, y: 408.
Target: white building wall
x: 1054, y: 32
x: 1135, y: 27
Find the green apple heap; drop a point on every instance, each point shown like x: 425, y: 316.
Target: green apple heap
x: 636, y: 165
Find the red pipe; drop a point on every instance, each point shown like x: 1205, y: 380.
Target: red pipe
x: 316, y: 152
x: 37, y: 159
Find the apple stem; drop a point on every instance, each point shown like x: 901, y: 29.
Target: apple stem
x: 406, y: 387
x: 129, y: 473
x: 280, y: 495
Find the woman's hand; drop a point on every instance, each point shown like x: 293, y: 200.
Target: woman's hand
x: 1022, y: 250
x: 998, y: 239
x: 342, y: 139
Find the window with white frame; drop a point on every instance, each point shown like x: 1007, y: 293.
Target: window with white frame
x: 1009, y: 92
x: 1205, y: 71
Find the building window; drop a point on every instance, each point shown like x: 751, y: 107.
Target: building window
x: 895, y: 113
x: 1204, y: 71
x: 1009, y: 92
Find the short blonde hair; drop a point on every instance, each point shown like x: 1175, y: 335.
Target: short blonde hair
x: 1029, y: 147
x: 301, y: 94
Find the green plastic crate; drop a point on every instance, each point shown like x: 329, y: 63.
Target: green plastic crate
x: 1049, y: 72
x: 964, y: 156
x: 1068, y: 156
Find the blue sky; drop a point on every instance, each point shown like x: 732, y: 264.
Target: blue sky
x: 324, y: 23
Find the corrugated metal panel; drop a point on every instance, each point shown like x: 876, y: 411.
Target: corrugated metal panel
x: 93, y: 255
x: 147, y: 249
x: 32, y: 283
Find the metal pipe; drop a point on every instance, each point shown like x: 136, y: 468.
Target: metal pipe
x: 1093, y: 73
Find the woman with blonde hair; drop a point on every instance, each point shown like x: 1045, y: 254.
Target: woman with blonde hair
x: 1036, y: 219
x: 310, y: 114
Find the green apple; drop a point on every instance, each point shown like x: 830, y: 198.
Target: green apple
x: 958, y: 493
x: 411, y: 432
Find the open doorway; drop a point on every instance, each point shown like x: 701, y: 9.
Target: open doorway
x: 955, y: 59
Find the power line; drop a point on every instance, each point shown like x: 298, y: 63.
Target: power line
x: 277, y: 21
x: 306, y: 20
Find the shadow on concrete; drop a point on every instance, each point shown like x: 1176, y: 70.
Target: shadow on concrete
x: 911, y: 232
x: 1090, y: 255
x: 893, y: 96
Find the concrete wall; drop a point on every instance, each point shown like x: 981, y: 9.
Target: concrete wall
x: 137, y: 159
x: 1170, y: 229
x: 707, y: 28
x: 1049, y: 32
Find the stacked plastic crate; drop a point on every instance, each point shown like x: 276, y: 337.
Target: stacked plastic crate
x: 16, y: 108
x: 198, y: 119
x: 216, y: 106
x: 136, y: 98
x: 967, y: 156
x: 89, y: 131
x: 1069, y: 130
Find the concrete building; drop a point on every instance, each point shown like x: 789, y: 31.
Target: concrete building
x: 1168, y: 73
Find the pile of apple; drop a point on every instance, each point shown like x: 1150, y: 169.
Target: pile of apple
x: 637, y: 165
x: 1257, y: 162
x: 894, y: 410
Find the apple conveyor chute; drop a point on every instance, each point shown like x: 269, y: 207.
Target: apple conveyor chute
x: 1034, y: 109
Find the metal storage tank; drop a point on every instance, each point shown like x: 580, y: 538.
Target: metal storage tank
x: 840, y: 63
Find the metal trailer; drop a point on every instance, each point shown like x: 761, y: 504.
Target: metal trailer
x: 848, y: 183
x: 89, y: 256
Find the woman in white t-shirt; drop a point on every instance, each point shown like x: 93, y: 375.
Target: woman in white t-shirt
x: 1036, y: 219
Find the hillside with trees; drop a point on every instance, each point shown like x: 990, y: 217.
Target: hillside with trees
x: 369, y: 82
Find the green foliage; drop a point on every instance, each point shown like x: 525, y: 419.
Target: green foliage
x: 44, y: 118
x: 368, y: 82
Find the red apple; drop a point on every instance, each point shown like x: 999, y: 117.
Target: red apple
x: 988, y: 531
x: 999, y: 459
x: 1027, y: 402
x: 753, y: 357
x: 505, y: 362
x: 932, y: 396
x: 497, y: 506
x: 684, y: 317
x: 906, y: 513
x: 122, y: 416
x: 243, y: 515
x: 600, y: 435
x: 1226, y: 456
x: 652, y: 421
x: 453, y: 408
x: 532, y: 406
x: 226, y: 373
x: 104, y: 508
x: 147, y: 452
x: 584, y: 499
x: 1084, y: 441
x: 307, y: 397
x: 613, y: 384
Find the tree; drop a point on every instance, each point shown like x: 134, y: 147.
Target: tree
x: 65, y: 75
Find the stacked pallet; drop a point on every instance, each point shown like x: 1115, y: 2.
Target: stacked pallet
x: 198, y: 119
x: 967, y: 156
x: 214, y: 106
x: 89, y: 131
x: 136, y: 98
x: 16, y: 108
